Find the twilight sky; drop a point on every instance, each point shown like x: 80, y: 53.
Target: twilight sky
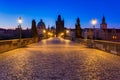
x: 48, y: 10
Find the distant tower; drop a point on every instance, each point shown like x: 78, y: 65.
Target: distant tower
x: 59, y: 25
x: 103, y: 25
x: 78, y: 30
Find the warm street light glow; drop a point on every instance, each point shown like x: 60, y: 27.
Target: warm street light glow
x: 48, y: 33
x: 20, y: 20
x: 44, y: 31
x: 61, y: 34
x: 94, y: 22
x: 67, y: 31
x: 114, y: 37
x: 51, y: 34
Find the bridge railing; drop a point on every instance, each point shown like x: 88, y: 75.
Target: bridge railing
x: 111, y: 47
x: 6, y: 45
x: 108, y: 46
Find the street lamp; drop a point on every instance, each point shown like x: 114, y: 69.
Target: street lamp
x: 44, y: 34
x: 19, y: 27
x: 62, y: 34
x: 67, y: 31
x: 94, y: 22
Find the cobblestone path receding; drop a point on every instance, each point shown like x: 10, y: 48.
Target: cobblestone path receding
x: 58, y: 59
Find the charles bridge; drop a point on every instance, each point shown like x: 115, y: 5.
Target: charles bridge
x: 59, y: 59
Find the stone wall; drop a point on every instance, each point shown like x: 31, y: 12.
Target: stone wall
x: 108, y: 46
x: 6, y: 45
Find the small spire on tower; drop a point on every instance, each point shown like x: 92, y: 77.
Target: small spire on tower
x: 103, y: 20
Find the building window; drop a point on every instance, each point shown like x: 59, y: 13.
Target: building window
x: 114, y: 37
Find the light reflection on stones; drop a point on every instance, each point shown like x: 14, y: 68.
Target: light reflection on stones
x: 58, y: 62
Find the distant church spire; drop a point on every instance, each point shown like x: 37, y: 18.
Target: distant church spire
x: 103, y: 25
x: 103, y: 19
x: 59, y: 25
x: 78, y: 21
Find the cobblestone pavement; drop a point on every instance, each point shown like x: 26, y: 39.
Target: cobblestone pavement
x: 58, y: 59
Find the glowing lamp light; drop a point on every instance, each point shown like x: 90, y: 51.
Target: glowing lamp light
x: 51, y: 34
x: 62, y: 34
x: 20, y: 20
x: 44, y: 31
x: 114, y: 37
x: 67, y: 31
x: 48, y: 33
x: 94, y: 22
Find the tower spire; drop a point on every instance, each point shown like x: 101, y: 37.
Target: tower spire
x: 103, y: 25
x: 103, y: 20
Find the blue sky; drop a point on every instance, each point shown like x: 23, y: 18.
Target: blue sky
x: 48, y: 10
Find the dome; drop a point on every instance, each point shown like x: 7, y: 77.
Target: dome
x: 41, y: 25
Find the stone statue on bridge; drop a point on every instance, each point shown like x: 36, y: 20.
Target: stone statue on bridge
x: 78, y: 30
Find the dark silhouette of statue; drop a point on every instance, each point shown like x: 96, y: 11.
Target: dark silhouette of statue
x: 78, y: 30
x: 59, y: 25
x: 34, y: 30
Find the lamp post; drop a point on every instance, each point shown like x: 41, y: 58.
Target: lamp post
x: 93, y: 22
x: 44, y: 33
x: 67, y: 33
x: 19, y: 27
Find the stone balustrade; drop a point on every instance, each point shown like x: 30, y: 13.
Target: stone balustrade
x: 6, y: 45
x: 108, y: 46
x: 111, y: 47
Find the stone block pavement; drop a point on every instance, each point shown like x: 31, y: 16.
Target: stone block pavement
x: 58, y: 59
